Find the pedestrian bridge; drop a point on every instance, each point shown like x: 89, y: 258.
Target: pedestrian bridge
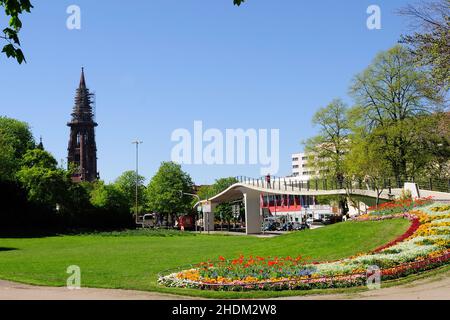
x: 250, y: 190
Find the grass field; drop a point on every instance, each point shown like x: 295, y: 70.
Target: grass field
x: 132, y: 260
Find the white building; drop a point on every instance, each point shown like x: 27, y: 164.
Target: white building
x: 300, y: 169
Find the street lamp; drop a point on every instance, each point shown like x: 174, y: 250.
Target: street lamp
x: 137, y: 143
x: 192, y: 195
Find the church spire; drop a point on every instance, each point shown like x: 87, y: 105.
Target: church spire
x: 40, y: 145
x: 82, y: 150
x: 82, y: 80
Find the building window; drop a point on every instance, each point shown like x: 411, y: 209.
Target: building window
x: 295, y: 166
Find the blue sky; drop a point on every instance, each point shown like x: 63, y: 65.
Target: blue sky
x: 159, y: 65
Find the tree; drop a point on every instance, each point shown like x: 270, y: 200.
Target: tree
x: 7, y: 160
x: 17, y: 134
x: 224, y: 211
x: 327, y: 149
x: 430, y: 147
x: 45, y: 183
x: 439, y: 166
x: 13, y: 10
x: 15, y: 139
x: 163, y: 191
x: 219, y: 185
x: 126, y: 183
x: 363, y: 162
x: 238, y: 2
x: 109, y: 197
x: 389, y: 93
x: 430, y: 44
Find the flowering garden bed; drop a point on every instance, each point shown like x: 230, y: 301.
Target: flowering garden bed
x: 425, y: 245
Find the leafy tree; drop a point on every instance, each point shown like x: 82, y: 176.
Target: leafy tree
x: 430, y: 43
x: 39, y: 158
x: 15, y: 139
x: 439, y: 166
x: 327, y: 149
x: 17, y: 134
x: 109, y: 197
x: 45, y: 183
x: 223, y: 211
x: 430, y: 147
x: 389, y: 93
x: 204, y: 192
x: 163, y: 191
x: 219, y: 185
x: 126, y: 183
x: 238, y: 2
x: 7, y: 160
x: 363, y: 163
x: 13, y: 10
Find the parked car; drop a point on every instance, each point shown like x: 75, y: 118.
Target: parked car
x: 148, y: 221
x: 270, y: 226
x: 296, y: 226
x: 327, y: 220
x: 286, y: 226
x: 299, y: 226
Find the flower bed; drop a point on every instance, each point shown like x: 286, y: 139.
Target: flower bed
x: 425, y: 245
x: 400, y: 206
x: 412, y: 229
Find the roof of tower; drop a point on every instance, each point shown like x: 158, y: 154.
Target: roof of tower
x: 82, y: 110
x: 40, y: 145
x: 82, y: 80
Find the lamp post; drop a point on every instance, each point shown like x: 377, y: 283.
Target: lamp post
x: 137, y: 143
x: 195, y: 196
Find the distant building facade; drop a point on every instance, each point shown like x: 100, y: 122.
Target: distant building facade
x: 300, y: 168
x: 82, y: 148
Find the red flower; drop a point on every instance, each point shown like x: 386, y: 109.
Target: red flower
x: 221, y: 258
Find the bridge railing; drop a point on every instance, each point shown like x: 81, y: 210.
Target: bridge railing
x: 432, y: 184
x: 290, y: 184
x: 323, y: 184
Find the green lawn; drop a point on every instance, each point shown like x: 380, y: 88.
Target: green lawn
x: 133, y: 260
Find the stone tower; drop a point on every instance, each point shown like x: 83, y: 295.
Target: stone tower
x: 82, y: 150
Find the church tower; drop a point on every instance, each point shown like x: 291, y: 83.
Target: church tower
x: 82, y: 150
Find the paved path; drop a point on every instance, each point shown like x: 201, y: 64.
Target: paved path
x: 434, y: 288
x: 16, y: 291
